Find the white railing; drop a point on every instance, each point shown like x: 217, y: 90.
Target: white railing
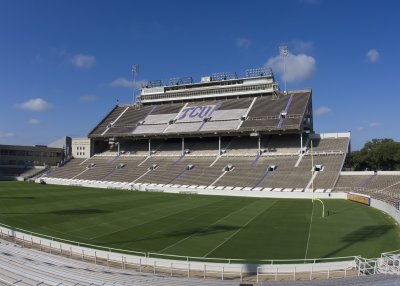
x: 390, y: 262
x: 186, y: 266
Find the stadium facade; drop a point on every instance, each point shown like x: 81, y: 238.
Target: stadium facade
x: 224, y: 132
x: 26, y: 161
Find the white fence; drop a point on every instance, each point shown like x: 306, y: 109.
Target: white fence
x: 185, y: 266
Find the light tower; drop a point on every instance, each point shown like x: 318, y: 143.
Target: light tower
x: 283, y: 51
x: 135, y: 71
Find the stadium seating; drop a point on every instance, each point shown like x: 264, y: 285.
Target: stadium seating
x: 206, y: 143
x: 24, y: 266
x: 250, y: 169
x: 380, y: 185
x: 103, y: 125
x: 257, y: 113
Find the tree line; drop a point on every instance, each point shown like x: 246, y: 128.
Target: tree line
x: 376, y: 155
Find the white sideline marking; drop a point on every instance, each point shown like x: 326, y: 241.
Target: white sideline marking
x: 222, y: 218
x: 142, y: 222
x: 233, y: 234
x: 309, y: 231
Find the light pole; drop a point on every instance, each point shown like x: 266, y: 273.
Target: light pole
x: 283, y: 51
x: 135, y: 71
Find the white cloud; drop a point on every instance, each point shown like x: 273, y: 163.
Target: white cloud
x: 123, y: 82
x: 373, y: 56
x: 243, y: 43
x: 299, y: 67
x: 302, y: 47
x: 374, y: 124
x: 88, y: 98
x: 6, y: 134
x: 81, y: 61
x: 369, y: 124
x: 322, y: 110
x: 36, y: 104
x: 34, y: 121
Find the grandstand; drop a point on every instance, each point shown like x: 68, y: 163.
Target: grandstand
x: 223, y: 132
x: 381, y: 185
x: 219, y: 133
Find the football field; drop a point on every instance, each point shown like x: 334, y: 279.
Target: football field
x: 200, y: 226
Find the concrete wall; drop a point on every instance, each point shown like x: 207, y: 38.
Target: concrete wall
x: 194, y: 191
x: 386, y: 208
x: 81, y: 147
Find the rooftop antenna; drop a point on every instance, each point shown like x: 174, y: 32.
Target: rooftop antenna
x: 283, y: 51
x: 135, y: 71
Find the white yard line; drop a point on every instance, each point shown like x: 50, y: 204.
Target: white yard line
x: 175, y: 206
x: 309, y: 231
x: 214, y: 223
x: 233, y: 234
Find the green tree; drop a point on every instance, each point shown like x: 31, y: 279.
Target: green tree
x: 378, y: 154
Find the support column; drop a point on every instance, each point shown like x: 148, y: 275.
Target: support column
x: 219, y: 145
x: 118, y: 152
x: 149, y: 147
x: 301, y: 143
x: 259, y: 144
x: 183, y: 146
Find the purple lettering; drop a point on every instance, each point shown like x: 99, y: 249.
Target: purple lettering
x: 205, y: 111
x: 195, y: 111
x: 184, y: 112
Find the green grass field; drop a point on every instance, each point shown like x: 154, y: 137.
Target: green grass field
x: 203, y: 226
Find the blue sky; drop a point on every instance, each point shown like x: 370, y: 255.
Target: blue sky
x: 64, y: 64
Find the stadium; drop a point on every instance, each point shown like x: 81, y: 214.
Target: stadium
x: 225, y: 178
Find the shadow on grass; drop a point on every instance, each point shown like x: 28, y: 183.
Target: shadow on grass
x: 79, y: 212
x: 17, y: 198
x: 365, y: 233
x: 202, y: 231
x: 179, y: 233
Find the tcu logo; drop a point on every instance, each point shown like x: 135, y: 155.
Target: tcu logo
x: 197, y: 111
